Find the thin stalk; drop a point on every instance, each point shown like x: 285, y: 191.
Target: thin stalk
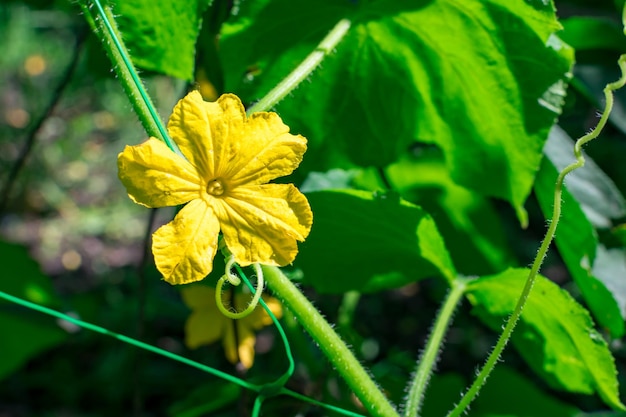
x: 130, y: 341
x: 433, y: 347
x: 105, y: 28
x: 494, y: 357
x: 287, y: 85
x: 330, y: 343
x: 125, y: 339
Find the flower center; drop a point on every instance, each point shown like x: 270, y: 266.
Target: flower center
x: 215, y: 187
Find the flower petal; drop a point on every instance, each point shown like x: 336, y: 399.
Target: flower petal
x: 198, y: 297
x: 154, y: 176
x: 261, y: 223
x: 184, y: 248
x: 204, y: 327
x: 259, y: 317
x: 203, y: 131
x: 205, y: 324
x: 266, y: 150
x: 244, y: 352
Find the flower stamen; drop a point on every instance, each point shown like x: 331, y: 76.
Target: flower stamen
x: 216, y: 187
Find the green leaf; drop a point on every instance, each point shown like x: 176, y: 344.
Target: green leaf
x: 370, y: 242
x: 555, y: 334
x: 161, y: 36
x: 471, y: 227
x: 474, y: 77
x: 577, y: 242
x: 24, y: 335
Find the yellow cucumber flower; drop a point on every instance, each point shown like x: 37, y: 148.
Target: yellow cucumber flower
x: 229, y: 158
x: 207, y: 324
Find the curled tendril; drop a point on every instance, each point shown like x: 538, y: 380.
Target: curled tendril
x: 234, y: 280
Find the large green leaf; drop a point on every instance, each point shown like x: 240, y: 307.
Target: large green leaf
x: 599, y: 280
x: 369, y: 242
x: 474, y: 77
x: 469, y: 224
x: 555, y: 334
x: 24, y: 334
x: 161, y: 35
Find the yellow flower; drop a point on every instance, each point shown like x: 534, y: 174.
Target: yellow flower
x: 206, y: 324
x: 229, y: 160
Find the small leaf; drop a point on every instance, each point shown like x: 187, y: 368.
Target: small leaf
x: 370, y: 242
x: 161, y: 36
x: 555, y: 334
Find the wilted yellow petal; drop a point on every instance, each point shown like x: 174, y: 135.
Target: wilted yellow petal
x: 205, y: 324
x: 198, y: 297
x: 184, y: 248
x: 207, y: 133
x: 259, y: 318
x: 244, y: 351
x: 261, y: 223
x: 154, y: 176
x: 204, y: 327
x: 266, y: 151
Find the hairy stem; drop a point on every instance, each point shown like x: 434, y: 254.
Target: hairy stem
x: 433, y: 347
x: 330, y: 343
x: 303, y: 70
x: 105, y: 28
x: 494, y: 357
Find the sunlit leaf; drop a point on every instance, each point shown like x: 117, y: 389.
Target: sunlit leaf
x: 555, y: 334
x: 355, y: 245
x: 161, y: 36
x: 474, y: 77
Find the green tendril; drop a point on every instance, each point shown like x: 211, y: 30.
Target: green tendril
x: 494, y: 357
x: 234, y: 280
x: 204, y: 368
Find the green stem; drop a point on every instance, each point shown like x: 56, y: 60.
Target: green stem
x: 325, y: 47
x: 130, y: 341
x: 165, y: 353
x: 433, y: 347
x: 543, y: 250
x: 331, y: 344
x: 104, y: 26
